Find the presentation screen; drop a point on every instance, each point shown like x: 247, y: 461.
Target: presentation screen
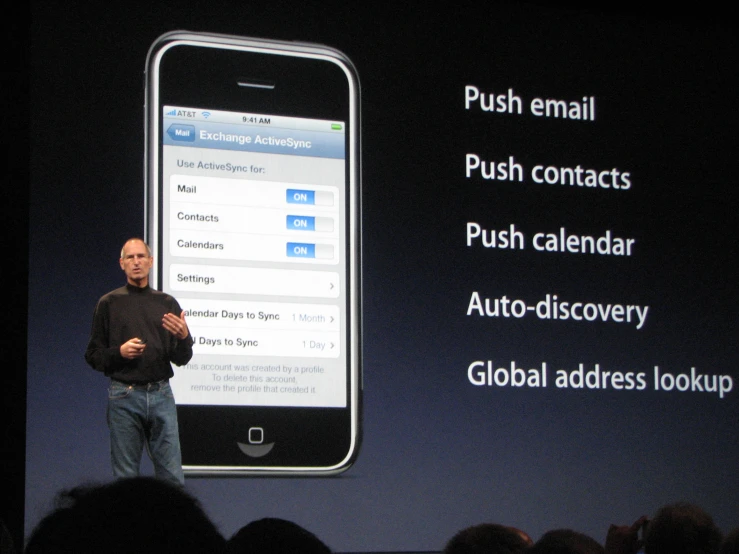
x: 548, y: 292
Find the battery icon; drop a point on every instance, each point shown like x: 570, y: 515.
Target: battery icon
x: 336, y: 127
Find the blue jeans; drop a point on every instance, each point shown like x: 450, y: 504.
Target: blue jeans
x: 144, y: 415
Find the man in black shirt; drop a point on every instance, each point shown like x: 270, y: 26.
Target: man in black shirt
x: 136, y: 333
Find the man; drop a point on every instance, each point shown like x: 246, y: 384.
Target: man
x: 141, y: 515
x: 682, y: 528
x: 566, y: 541
x: 136, y: 333
x: 488, y: 538
x: 275, y: 536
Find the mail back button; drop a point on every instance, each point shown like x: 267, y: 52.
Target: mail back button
x: 180, y: 131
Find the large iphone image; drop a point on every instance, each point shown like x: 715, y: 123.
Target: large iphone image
x: 253, y: 218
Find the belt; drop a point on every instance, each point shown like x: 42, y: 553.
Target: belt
x: 142, y: 384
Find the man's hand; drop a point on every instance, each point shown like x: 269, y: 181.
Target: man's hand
x: 176, y: 325
x: 132, y: 349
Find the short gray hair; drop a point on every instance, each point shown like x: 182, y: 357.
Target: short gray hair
x: 123, y: 249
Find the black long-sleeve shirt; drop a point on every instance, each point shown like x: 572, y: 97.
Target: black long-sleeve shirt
x: 133, y: 312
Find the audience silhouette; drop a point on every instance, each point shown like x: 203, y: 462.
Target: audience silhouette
x: 566, y: 541
x: 731, y: 543
x: 488, y: 538
x: 682, y: 528
x: 144, y: 515
x: 140, y: 515
x: 275, y: 536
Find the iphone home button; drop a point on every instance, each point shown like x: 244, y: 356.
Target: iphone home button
x: 256, y: 447
x: 256, y: 435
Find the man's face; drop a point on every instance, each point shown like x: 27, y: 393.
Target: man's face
x: 136, y: 263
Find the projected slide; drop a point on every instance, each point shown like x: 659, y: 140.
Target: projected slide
x: 548, y: 292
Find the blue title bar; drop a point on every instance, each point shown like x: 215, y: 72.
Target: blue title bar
x: 249, y: 138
